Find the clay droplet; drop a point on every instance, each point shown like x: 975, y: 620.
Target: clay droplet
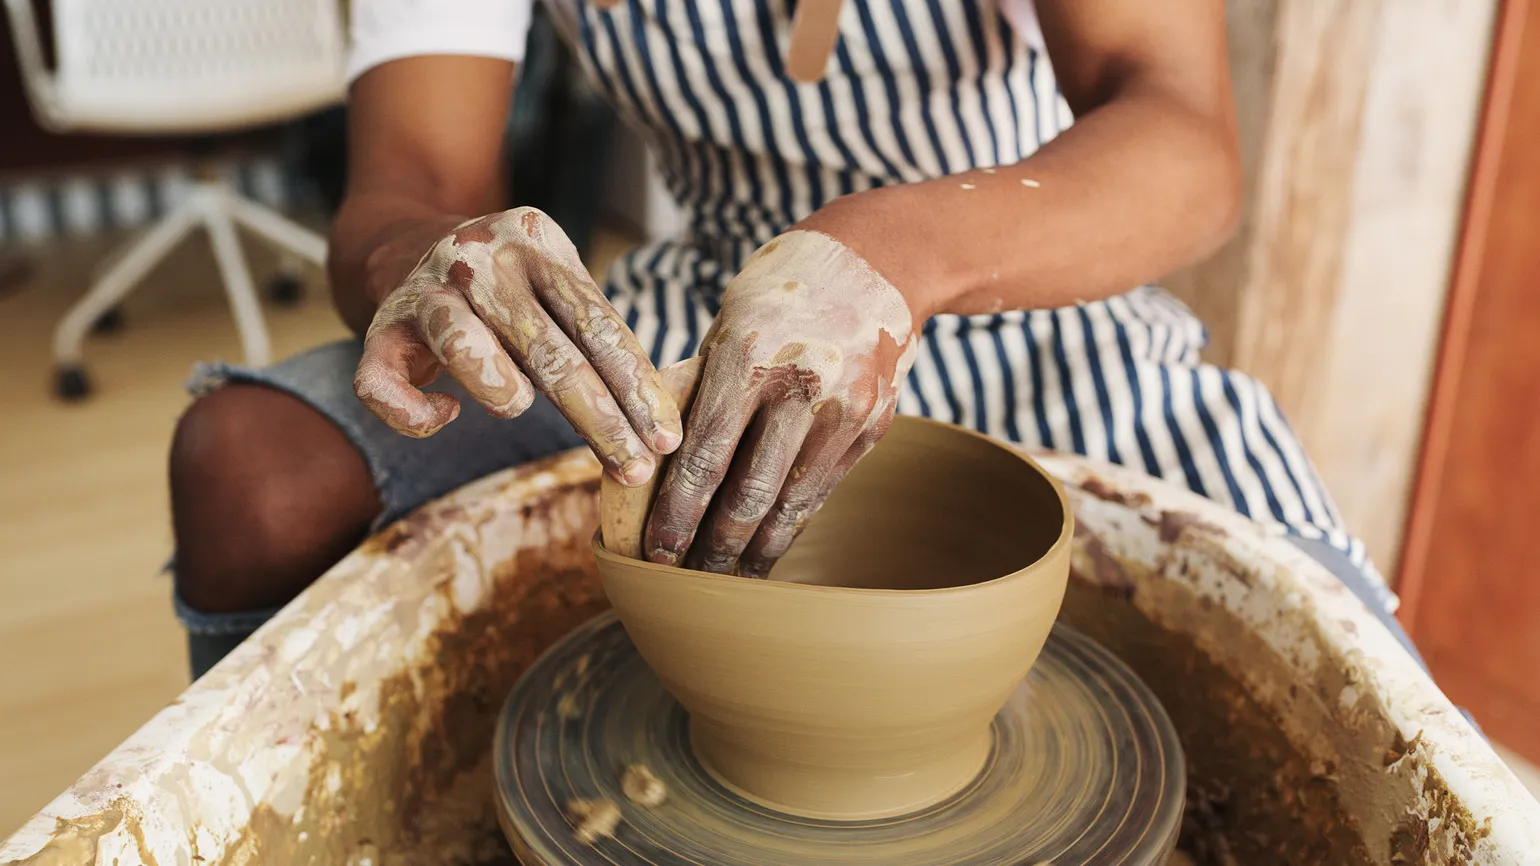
x: 1029, y: 182
x: 987, y: 170
x: 568, y: 707
x: 593, y: 819
x: 642, y: 787
x: 968, y: 186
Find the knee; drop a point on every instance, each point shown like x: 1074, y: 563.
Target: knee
x: 250, y: 468
x: 227, y: 521
x: 208, y: 440
x: 215, y: 441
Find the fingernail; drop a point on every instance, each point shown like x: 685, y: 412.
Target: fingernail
x: 663, y: 557
x: 665, y: 441
x: 637, y: 471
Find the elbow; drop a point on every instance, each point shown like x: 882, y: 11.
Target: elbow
x: 1219, y: 199
x: 1230, y: 191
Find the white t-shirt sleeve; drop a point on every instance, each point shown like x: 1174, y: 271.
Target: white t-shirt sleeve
x: 385, y: 30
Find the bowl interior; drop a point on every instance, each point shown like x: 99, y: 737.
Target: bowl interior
x: 932, y: 506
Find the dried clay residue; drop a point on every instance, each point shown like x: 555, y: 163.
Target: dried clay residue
x: 75, y: 840
x: 407, y: 535
x: 642, y: 787
x: 1172, y: 524
x: 1442, y: 829
x: 1252, y: 797
x: 593, y: 819
x: 1107, y: 574
x: 417, y: 788
x: 1094, y: 486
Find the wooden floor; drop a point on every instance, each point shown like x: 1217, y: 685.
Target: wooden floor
x: 88, y: 646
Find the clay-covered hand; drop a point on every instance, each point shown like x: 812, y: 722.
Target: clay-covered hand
x: 800, y: 380
x: 504, y: 305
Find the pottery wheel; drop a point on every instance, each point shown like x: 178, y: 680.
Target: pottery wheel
x: 1085, y: 768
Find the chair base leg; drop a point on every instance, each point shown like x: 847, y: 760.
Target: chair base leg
x: 286, y: 288
x: 217, y: 209
x: 115, y: 284
x: 109, y: 322
x: 70, y: 383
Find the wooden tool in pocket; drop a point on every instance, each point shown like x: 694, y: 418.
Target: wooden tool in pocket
x: 814, y: 31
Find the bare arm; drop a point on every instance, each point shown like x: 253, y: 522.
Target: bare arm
x: 501, y: 302
x: 424, y: 145
x: 1146, y: 181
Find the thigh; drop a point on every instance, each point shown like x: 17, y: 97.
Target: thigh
x: 406, y: 472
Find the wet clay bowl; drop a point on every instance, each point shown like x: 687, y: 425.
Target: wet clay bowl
x: 860, y: 681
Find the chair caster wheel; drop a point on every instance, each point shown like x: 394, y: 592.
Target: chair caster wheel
x: 286, y: 290
x: 109, y: 322
x: 71, y: 384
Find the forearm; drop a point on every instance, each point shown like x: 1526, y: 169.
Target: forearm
x: 1139, y: 187
x: 363, y: 265
x: 424, y: 155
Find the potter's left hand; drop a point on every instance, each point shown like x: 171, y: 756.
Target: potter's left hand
x: 801, y: 378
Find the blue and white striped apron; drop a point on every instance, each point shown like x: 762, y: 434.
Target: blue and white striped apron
x: 918, y: 89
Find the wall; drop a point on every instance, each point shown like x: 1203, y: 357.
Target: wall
x: 1357, y: 118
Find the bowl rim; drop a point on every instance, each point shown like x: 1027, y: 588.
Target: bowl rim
x: 1065, y: 537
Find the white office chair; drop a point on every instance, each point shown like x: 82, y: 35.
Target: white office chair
x: 176, y: 67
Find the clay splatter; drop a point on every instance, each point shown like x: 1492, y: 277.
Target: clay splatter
x: 1104, y: 491
x: 642, y: 787
x: 593, y: 819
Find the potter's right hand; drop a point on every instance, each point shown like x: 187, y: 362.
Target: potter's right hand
x: 504, y: 305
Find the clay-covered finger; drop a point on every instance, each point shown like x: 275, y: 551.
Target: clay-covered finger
x: 470, y: 352
x: 720, y: 414
x: 592, y: 323
x: 395, y: 363
x: 561, y: 372
x: 558, y: 277
x: 752, y: 487
x: 806, y: 488
x: 828, y: 455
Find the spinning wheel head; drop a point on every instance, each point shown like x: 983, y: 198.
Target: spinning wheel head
x: 1084, y: 767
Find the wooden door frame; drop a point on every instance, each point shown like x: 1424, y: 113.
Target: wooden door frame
x: 1485, y: 181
